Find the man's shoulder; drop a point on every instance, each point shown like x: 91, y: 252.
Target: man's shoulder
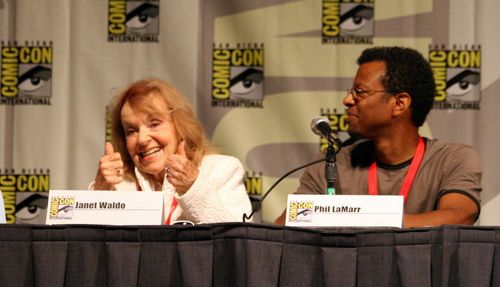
x: 442, y: 147
x: 450, y: 155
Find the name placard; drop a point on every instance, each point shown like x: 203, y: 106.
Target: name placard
x: 104, y: 207
x: 309, y: 210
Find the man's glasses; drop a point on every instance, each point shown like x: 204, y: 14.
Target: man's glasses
x: 358, y: 94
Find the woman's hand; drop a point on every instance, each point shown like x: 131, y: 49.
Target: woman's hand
x: 181, y: 172
x: 110, y: 171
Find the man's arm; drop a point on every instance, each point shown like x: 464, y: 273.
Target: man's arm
x: 453, y: 208
x: 281, y: 219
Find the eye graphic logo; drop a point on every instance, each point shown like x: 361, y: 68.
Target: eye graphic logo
x: 347, y: 22
x: 300, y: 211
x: 238, y: 76
x: 61, y: 207
x: 133, y: 21
x: 31, y: 207
x: 26, y: 74
x: 25, y: 195
x: 457, y: 75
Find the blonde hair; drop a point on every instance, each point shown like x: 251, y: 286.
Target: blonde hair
x: 186, y: 124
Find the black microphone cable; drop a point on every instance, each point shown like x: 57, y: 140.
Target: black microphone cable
x: 257, y: 207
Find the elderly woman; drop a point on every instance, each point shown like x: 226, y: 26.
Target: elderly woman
x: 159, y: 145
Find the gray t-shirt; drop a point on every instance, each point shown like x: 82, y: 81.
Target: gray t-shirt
x: 445, y: 168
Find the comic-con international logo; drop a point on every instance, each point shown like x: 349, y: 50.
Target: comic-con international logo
x: 133, y: 21
x: 457, y: 74
x: 26, y: 74
x: 238, y: 76
x: 347, y: 21
x: 25, y: 195
x: 338, y: 123
x: 61, y: 207
x: 300, y: 211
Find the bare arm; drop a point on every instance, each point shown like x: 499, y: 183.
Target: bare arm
x: 453, y: 208
x: 281, y: 219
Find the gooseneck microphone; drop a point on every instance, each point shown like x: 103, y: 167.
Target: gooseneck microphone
x: 319, y: 128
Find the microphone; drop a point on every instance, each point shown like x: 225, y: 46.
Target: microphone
x: 321, y: 127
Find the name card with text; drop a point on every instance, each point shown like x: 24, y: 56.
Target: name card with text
x: 104, y: 207
x: 308, y: 210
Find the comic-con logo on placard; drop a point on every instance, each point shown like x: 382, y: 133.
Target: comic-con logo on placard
x: 238, y: 76
x: 26, y: 73
x: 25, y: 195
x: 61, y: 207
x: 300, y: 211
x: 338, y: 123
x: 133, y: 21
x: 347, y: 21
x: 457, y: 74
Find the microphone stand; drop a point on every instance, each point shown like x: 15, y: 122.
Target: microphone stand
x: 331, y: 160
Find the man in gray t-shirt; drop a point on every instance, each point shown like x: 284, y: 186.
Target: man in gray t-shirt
x: 445, y: 168
x: 392, y: 93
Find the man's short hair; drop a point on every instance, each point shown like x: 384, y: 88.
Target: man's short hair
x: 406, y: 71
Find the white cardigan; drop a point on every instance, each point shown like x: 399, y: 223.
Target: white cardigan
x: 217, y: 195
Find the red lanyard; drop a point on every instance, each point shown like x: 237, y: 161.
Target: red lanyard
x: 172, y: 208
x: 410, y: 175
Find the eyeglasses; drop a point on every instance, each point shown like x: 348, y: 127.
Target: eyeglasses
x: 356, y: 93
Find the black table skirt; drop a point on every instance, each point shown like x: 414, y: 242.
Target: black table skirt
x: 245, y: 254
